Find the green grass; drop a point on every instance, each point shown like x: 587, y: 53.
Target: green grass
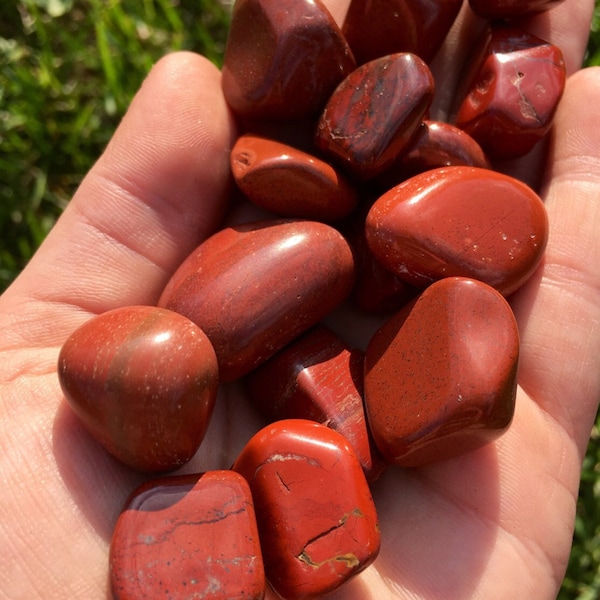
x: 68, y: 70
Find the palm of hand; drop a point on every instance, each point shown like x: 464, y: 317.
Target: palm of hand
x: 495, y: 523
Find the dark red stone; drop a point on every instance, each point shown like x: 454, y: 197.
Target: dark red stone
x: 289, y: 182
x: 374, y: 29
x: 283, y: 59
x: 459, y: 221
x: 316, y: 518
x: 374, y: 113
x: 440, y: 376
x: 253, y: 288
x: 513, y: 88
x: 143, y: 381
x: 498, y: 9
x: 191, y: 536
x: 318, y: 377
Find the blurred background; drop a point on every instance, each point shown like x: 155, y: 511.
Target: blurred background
x: 68, y: 70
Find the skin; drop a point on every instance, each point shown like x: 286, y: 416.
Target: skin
x: 496, y: 523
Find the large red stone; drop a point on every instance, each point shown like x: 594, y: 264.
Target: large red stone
x: 289, y: 182
x: 318, y: 377
x: 374, y: 113
x: 186, y: 537
x: 253, y: 288
x: 498, y: 9
x: 143, y: 381
x: 459, y: 221
x: 513, y: 87
x: 440, y: 376
x: 316, y: 518
x: 374, y: 29
x: 283, y: 59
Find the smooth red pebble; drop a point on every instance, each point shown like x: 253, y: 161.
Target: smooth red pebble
x: 374, y: 113
x: 440, y: 376
x: 512, y: 92
x: 375, y: 29
x: 185, y: 537
x: 316, y: 518
x: 318, y: 377
x: 253, y: 288
x: 289, y: 182
x: 459, y: 221
x: 143, y: 381
x: 497, y: 9
x: 283, y: 59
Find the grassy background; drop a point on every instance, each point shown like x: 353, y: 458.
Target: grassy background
x: 68, y: 69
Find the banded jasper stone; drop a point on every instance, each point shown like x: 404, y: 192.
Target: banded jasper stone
x: 440, y: 376
x: 283, y: 59
x: 188, y: 536
x: 316, y: 518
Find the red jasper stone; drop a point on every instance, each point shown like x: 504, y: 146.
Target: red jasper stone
x: 283, y: 59
x: 513, y: 89
x: 498, y: 9
x: 459, y: 221
x: 290, y: 182
x: 316, y: 518
x: 190, y: 536
x: 374, y: 113
x: 440, y: 376
x: 375, y: 29
x: 143, y: 381
x: 253, y: 288
x: 318, y: 377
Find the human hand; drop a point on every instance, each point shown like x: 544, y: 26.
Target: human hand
x: 496, y: 523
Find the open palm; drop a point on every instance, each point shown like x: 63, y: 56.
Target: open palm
x: 496, y: 523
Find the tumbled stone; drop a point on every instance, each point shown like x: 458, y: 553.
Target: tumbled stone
x: 440, y: 376
x: 185, y: 537
x: 459, y: 221
x: 253, y: 288
x: 498, y: 9
x: 143, y: 381
x: 316, y: 518
x: 283, y: 59
x: 514, y: 85
x: 374, y: 113
x: 289, y: 182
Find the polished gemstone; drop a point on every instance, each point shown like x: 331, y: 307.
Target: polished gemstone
x: 185, y: 537
x: 498, y: 9
x: 440, y: 376
x: 253, y: 288
x: 459, y: 221
x: 316, y: 518
x: 143, y: 380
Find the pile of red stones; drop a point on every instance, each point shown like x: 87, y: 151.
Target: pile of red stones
x: 372, y: 204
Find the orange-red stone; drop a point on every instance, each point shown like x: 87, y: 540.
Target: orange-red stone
x: 498, y: 9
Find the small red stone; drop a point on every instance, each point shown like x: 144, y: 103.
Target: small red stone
x: 498, y: 9
x: 440, y: 376
x: 283, y: 59
x: 143, y: 381
x: 513, y: 88
x: 190, y: 536
x: 374, y: 113
x: 289, y: 182
x: 459, y: 221
x: 253, y: 288
x: 316, y: 518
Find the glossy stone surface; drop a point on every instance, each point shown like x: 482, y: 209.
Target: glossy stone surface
x: 497, y: 9
x: 374, y: 113
x: 253, y: 288
x: 289, y: 182
x: 440, y: 376
x: 318, y: 377
x: 516, y: 81
x: 374, y: 29
x: 316, y: 518
x: 459, y: 221
x: 143, y: 381
x: 189, y: 536
x: 283, y: 59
